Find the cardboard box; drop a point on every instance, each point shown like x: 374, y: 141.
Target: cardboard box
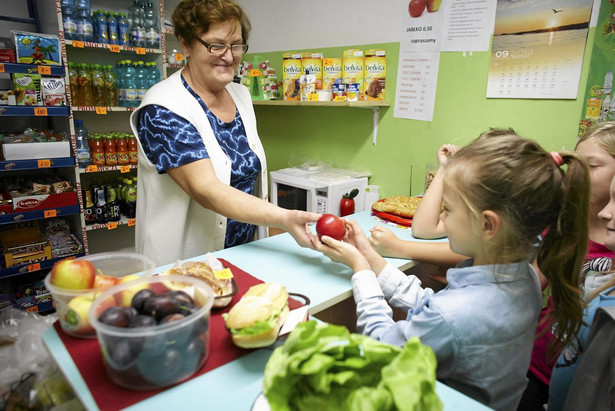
x: 7, y: 55
x: 7, y: 98
x: 24, y: 246
x: 44, y: 201
x: 27, y: 89
x: 27, y: 151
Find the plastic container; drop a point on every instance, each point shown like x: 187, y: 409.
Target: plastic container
x: 157, y: 356
x: 72, y: 305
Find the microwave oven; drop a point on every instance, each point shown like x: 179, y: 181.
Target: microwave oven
x: 317, y: 190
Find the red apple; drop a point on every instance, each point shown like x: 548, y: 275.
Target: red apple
x: 330, y: 225
x: 73, y: 274
x: 417, y: 7
x: 103, y: 282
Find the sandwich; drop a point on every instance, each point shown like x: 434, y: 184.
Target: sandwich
x: 255, y: 321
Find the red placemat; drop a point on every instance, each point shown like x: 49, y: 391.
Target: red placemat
x: 108, y: 396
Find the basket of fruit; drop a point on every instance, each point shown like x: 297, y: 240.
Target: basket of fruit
x: 74, y: 284
x: 159, y: 336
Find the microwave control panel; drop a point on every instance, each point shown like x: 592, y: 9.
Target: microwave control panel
x: 322, y: 201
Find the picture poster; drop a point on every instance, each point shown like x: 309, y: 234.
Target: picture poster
x: 598, y: 101
x: 537, y: 49
x: 417, y: 75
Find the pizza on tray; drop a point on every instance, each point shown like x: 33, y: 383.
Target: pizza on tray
x: 403, y: 206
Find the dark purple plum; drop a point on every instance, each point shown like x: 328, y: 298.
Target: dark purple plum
x: 141, y: 320
x: 171, y: 318
x: 160, y: 305
x: 122, y: 353
x: 162, y: 369
x: 182, y: 297
x: 117, y: 316
x: 139, y: 299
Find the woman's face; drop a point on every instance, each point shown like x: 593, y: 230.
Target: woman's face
x: 602, y: 170
x: 607, y: 214
x: 216, y: 71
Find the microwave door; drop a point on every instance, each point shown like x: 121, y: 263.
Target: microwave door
x: 292, y: 198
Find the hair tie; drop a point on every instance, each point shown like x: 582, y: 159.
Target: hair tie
x: 557, y: 158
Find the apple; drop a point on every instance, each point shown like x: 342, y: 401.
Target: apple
x: 76, y: 316
x: 416, y: 7
x: 103, y: 282
x: 73, y: 274
x: 124, y: 297
x: 330, y: 225
x: 433, y: 5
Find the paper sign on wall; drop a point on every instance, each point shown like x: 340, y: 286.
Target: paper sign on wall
x: 417, y: 75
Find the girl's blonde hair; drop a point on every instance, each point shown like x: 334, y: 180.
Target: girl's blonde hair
x: 531, y: 193
x: 604, y: 134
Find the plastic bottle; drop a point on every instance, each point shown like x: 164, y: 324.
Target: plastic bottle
x: 69, y: 20
x: 132, y: 149
x: 99, y: 95
x: 110, y: 86
x: 137, y: 31
x: 110, y: 150
x: 123, y: 35
x: 131, y: 199
x: 83, y: 5
x: 153, y: 74
x: 88, y: 212
x: 608, y: 83
x: 121, y: 147
x: 141, y: 80
x: 100, y: 204
x: 130, y: 86
x: 98, y: 151
x: 73, y: 80
x: 151, y: 26
x: 119, y: 82
x: 605, y: 108
x: 85, y: 85
x: 83, y: 149
x: 85, y: 28
x: 113, y: 204
x: 99, y: 21
x: 113, y: 28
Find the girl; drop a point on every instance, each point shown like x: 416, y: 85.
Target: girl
x: 481, y: 326
x: 568, y: 362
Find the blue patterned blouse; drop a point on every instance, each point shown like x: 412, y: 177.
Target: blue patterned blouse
x: 170, y: 141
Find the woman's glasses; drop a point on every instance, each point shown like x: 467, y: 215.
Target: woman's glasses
x: 220, y: 49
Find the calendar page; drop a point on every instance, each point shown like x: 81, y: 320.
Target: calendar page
x: 537, y: 49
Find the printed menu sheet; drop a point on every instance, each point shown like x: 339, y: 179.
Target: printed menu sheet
x: 537, y: 49
x: 417, y: 76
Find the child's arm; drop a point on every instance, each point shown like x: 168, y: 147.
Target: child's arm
x: 388, y: 244
x: 426, y: 221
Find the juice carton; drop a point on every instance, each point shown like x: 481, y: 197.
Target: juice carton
x: 353, y: 68
x: 375, y: 74
x: 291, y: 72
x: 331, y: 71
x: 27, y: 89
x: 36, y: 48
x: 312, y: 63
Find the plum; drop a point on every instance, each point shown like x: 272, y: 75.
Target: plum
x: 139, y: 299
x: 122, y: 353
x: 162, y: 369
x: 181, y: 297
x: 160, y: 305
x: 117, y: 316
x: 170, y: 318
x: 142, y: 321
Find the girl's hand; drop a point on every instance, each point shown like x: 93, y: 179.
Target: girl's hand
x: 384, y: 241
x: 356, y: 236
x: 445, y: 152
x: 341, y: 252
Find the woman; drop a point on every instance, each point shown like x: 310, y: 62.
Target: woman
x: 202, y: 168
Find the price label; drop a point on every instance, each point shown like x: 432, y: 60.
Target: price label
x: 91, y: 169
x: 114, y: 48
x: 40, y: 111
x: 140, y: 50
x: 34, y: 267
x: 132, y: 222
x: 255, y: 73
x: 50, y: 213
x: 44, y: 163
x: 78, y: 44
x: 44, y: 70
x: 339, y: 98
x: 312, y: 97
x: 124, y: 169
x: 101, y: 110
x: 1, y: 68
x: 179, y: 57
x: 111, y: 226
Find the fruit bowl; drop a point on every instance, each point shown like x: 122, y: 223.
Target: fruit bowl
x: 158, y: 338
x: 72, y: 305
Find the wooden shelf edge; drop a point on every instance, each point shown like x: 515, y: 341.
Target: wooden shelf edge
x: 363, y: 104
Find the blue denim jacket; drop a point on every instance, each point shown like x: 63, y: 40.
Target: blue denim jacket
x: 481, y: 326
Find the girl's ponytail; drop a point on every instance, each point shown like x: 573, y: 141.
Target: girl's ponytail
x: 564, y: 247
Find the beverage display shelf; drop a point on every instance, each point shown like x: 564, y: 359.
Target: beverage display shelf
x: 131, y: 49
x: 130, y: 222
x: 31, y: 69
x: 39, y: 214
x: 33, y: 111
x: 34, y: 267
x: 99, y: 169
x: 106, y: 109
x: 36, y: 164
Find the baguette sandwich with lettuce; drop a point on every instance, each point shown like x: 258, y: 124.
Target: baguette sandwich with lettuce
x: 255, y: 321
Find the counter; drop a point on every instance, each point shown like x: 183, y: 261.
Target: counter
x: 237, y: 384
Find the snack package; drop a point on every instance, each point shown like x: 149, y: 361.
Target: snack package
x: 375, y: 74
x: 7, y: 98
x: 53, y: 90
x: 312, y: 63
x: 37, y: 48
x: 27, y: 89
x: 331, y: 71
x: 291, y: 71
x: 353, y: 68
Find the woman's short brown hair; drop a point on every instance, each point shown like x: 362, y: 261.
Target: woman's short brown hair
x: 191, y: 18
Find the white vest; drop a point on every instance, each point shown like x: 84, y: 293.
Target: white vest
x: 170, y: 225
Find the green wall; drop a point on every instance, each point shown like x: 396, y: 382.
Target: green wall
x: 342, y: 136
